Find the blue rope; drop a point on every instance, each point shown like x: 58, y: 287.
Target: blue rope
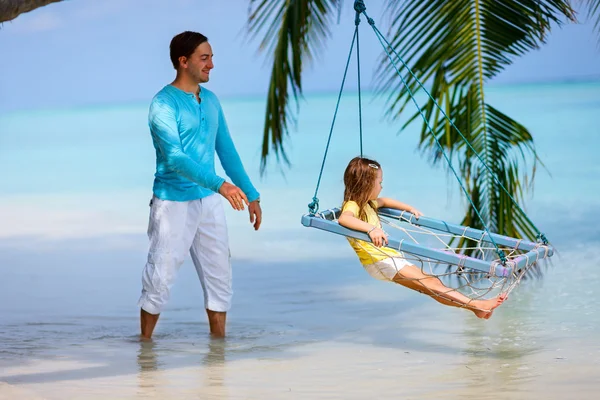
x: 313, y: 207
x: 356, y: 22
x: 499, y: 251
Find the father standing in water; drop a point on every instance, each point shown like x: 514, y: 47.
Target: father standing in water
x: 187, y: 215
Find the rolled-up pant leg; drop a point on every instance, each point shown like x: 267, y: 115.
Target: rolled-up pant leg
x: 211, y: 257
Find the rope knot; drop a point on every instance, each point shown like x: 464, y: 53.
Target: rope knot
x: 313, y: 207
x: 370, y: 21
x: 359, y: 6
x: 541, y: 237
x: 502, y: 257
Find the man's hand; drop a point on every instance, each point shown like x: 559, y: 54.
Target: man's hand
x: 234, y: 195
x: 255, y: 214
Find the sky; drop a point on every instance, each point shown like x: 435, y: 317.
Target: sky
x: 84, y: 52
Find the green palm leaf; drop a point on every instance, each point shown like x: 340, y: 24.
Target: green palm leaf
x: 593, y: 7
x: 456, y: 46
x: 293, y: 31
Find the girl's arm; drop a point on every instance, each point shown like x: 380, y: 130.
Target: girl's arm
x: 397, y: 205
x: 377, y: 235
x: 348, y: 220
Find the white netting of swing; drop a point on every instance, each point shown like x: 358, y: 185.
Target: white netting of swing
x: 475, y: 284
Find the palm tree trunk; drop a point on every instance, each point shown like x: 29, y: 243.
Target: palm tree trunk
x: 11, y: 9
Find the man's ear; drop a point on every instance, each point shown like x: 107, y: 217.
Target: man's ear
x: 183, y: 61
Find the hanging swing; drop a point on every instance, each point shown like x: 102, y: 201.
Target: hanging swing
x: 497, y: 263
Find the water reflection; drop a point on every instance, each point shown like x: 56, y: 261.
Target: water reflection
x: 214, y: 363
x: 146, y: 357
x: 499, y: 354
x: 168, y: 370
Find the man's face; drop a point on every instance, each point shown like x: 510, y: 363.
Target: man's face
x: 199, y: 64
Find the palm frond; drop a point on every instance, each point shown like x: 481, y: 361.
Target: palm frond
x: 293, y: 32
x: 593, y: 14
x: 455, y: 47
x: 470, y: 37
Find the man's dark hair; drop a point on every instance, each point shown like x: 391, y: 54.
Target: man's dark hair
x: 184, y: 44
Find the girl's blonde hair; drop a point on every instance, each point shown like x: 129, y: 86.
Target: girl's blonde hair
x: 359, y: 179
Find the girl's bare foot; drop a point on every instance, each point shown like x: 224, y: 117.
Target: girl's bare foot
x: 485, y: 308
x: 482, y: 314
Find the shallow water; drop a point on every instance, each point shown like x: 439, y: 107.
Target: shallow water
x: 320, y: 330
x: 307, y: 321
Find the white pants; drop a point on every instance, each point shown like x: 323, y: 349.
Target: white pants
x: 176, y: 228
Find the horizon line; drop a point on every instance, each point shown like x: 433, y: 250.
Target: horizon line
x: 247, y: 96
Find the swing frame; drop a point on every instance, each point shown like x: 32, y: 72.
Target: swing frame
x: 327, y: 220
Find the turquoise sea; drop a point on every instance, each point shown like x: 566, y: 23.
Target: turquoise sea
x: 307, y: 321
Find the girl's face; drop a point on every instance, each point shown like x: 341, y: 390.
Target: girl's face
x: 377, y: 186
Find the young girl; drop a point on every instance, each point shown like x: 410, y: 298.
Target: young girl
x: 363, y: 179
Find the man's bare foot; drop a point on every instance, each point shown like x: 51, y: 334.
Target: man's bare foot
x: 485, y: 308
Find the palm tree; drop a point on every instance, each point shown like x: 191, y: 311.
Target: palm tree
x: 455, y: 47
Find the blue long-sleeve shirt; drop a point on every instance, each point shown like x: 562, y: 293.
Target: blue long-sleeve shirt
x: 186, y: 135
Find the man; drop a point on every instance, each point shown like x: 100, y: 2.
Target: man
x: 188, y: 126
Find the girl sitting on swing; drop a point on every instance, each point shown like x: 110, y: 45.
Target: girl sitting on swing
x: 363, y: 180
